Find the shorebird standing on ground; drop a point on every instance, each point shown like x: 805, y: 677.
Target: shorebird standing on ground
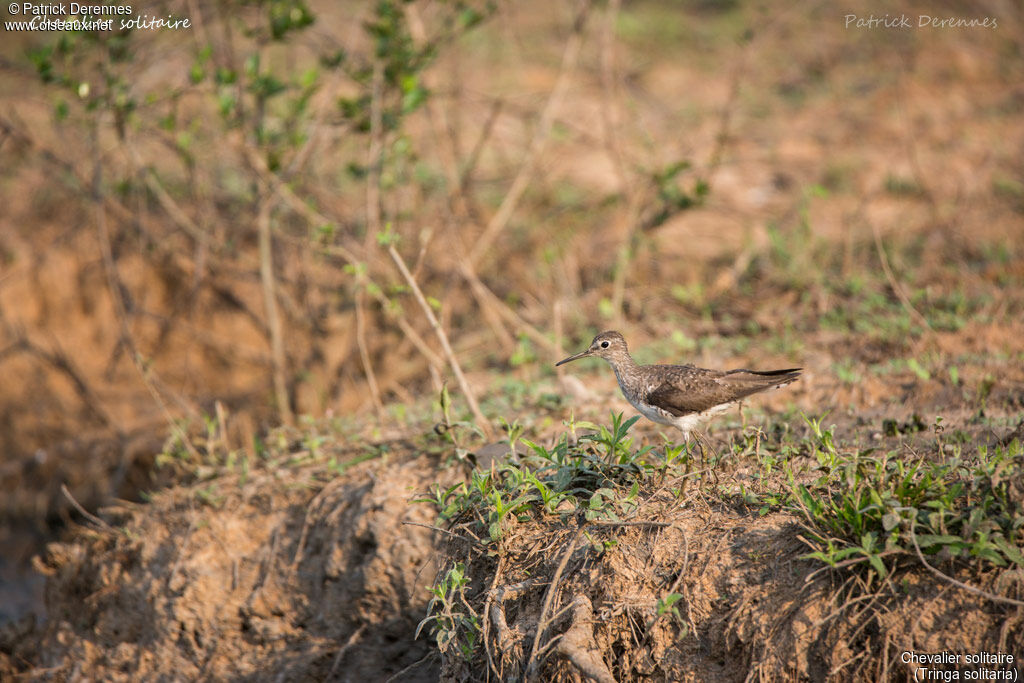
x: 683, y: 396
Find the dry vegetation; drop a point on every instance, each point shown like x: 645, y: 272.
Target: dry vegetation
x: 239, y: 262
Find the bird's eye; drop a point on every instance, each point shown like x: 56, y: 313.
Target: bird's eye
x: 604, y: 345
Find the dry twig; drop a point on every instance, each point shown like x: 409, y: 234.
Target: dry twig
x: 114, y: 286
x: 500, y: 219
x: 82, y: 511
x: 277, y: 356
x: 542, y: 622
x: 478, y: 415
x: 897, y: 288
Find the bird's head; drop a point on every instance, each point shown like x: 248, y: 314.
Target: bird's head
x: 609, y: 345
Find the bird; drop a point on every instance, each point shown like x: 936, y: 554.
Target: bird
x: 682, y: 396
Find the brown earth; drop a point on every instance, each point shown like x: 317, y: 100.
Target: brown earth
x: 290, y: 574
x: 912, y: 134
x: 864, y: 213
x: 298, y: 571
x: 749, y: 608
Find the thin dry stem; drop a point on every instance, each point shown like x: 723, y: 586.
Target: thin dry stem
x: 114, y: 287
x: 897, y: 288
x: 82, y: 511
x: 444, y: 144
x: 356, y: 635
x: 374, y: 155
x: 495, y: 614
x: 269, y: 287
x: 485, y: 297
x: 364, y: 357
x: 542, y: 622
x: 501, y: 218
x: 610, y: 122
x: 314, y: 217
x: 478, y: 415
x: 960, y: 584
x: 60, y: 361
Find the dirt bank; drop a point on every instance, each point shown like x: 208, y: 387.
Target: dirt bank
x: 305, y: 569
x: 287, y: 574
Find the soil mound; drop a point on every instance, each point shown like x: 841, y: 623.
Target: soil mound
x: 290, y: 574
x: 703, y: 593
x: 302, y: 569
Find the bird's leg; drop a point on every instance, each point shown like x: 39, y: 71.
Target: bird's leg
x: 705, y: 441
x: 702, y: 440
x: 699, y: 438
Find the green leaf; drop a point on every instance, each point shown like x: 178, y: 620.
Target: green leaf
x: 665, y: 604
x: 225, y: 76
x: 1011, y: 551
x: 922, y: 374
x: 387, y: 236
x: 930, y: 540
x: 878, y: 565
x: 309, y: 78
x: 629, y: 423
x: 445, y: 400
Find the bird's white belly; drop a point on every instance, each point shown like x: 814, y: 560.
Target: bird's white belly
x: 684, y: 423
x: 653, y: 413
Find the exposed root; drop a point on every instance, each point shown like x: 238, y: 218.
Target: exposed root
x: 578, y: 646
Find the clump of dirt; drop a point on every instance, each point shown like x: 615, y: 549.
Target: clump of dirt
x: 285, y: 573
x: 685, y: 590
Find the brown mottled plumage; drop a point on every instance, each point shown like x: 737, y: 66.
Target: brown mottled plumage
x: 683, y: 396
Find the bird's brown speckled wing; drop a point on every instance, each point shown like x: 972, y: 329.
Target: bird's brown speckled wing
x: 685, y: 389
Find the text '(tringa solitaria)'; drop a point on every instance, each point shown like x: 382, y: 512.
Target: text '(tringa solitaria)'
x: 683, y: 396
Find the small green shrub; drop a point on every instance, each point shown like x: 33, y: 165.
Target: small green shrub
x: 873, y: 507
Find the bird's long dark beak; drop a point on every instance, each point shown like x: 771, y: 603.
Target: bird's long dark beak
x: 581, y: 354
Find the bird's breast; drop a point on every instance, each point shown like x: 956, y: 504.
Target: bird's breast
x: 652, y: 413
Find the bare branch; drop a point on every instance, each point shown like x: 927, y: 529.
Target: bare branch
x: 481, y: 421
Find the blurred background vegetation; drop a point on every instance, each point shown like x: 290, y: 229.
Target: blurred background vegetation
x: 229, y: 223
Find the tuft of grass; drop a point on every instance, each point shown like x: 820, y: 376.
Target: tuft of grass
x: 846, y: 371
x: 598, y: 476
x: 877, y: 509
x: 599, y: 479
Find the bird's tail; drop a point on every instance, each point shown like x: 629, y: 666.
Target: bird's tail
x: 764, y: 379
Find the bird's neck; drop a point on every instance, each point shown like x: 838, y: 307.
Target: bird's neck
x: 625, y: 369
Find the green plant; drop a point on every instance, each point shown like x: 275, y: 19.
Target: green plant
x: 514, y: 431
x: 667, y: 606
x: 455, y: 623
x: 676, y: 454
x: 548, y: 478
x: 547, y: 482
x: 454, y: 431
x: 875, y: 507
x: 824, y: 448
x: 606, y: 503
x: 617, y: 447
x: 551, y: 495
